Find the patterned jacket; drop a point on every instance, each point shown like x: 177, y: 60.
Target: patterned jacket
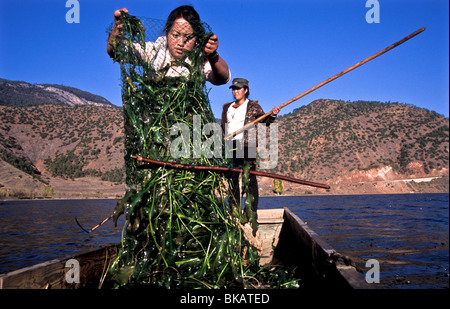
x: 254, y: 111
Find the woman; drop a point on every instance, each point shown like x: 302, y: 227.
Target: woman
x: 235, y: 115
x: 182, y: 27
x: 162, y: 242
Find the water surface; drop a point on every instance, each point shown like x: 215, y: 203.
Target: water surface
x: 407, y: 233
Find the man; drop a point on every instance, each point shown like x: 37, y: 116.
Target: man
x: 235, y: 115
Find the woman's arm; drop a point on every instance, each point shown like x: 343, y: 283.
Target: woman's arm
x: 218, y: 65
x: 115, y: 32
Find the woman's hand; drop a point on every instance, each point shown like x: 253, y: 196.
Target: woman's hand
x: 218, y: 65
x: 115, y: 31
x: 211, y: 46
x: 118, y: 17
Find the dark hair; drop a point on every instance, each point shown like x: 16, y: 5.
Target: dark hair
x: 245, y: 87
x: 190, y: 15
x: 248, y: 92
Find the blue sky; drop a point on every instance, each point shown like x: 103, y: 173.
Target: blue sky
x: 283, y: 47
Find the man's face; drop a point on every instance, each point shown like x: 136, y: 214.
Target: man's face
x: 239, y: 93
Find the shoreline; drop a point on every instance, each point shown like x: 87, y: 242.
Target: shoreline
x: 8, y: 199
x: 95, y: 188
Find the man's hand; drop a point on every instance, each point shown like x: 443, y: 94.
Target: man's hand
x: 275, y: 111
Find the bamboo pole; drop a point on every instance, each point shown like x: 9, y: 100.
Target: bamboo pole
x: 229, y: 169
x: 330, y: 79
x: 209, y: 168
x: 95, y: 227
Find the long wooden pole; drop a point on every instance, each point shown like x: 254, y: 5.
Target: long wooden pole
x: 229, y: 169
x: 330, y: 79
x: 209, y: 168
x: 95, y: 227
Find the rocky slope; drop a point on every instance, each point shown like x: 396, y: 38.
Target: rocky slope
x: 63, y: 142
x: 18, y: 93
x: 365, y: 147
x: 355, y: 147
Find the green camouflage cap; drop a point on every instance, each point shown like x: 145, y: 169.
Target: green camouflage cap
x: 239, y: 83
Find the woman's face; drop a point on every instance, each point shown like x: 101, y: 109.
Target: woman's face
x: 239, y: 93
x: 179, y: 37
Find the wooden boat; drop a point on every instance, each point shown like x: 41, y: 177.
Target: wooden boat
x: 284, y: 237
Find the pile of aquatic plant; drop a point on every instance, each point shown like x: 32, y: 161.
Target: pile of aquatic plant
x: 182, y: 228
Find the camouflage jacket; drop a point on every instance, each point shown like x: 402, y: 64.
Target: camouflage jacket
x: 254, y: 111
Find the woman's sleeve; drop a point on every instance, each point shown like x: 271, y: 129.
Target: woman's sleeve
x: 209, y: 73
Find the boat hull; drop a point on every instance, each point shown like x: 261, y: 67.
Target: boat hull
x: 282, y: 239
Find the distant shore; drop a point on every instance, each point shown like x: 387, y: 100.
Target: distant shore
x: 6, y: 199
x: 93, y: 188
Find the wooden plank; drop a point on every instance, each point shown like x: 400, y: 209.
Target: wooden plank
x: 39, y: 276
x: 316, y: 245
x: 52, y: 274
x: 318, y: 256
x: 353, y: 277
x: 95, y: 263
x: 270, y: 215
x: 270, y: 222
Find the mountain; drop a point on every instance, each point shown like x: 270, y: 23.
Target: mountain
x: 370, y: 144
x: 55, y: 138
x: 18, y: 93
x: 62, y: 146
x: 355, y: 147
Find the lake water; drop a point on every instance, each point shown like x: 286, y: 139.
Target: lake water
x: 408, y: 234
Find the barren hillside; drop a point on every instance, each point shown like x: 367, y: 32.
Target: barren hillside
x: 355, y: 147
